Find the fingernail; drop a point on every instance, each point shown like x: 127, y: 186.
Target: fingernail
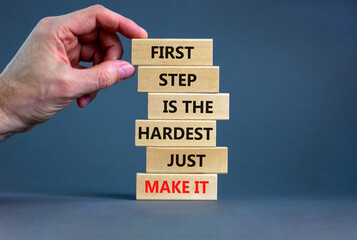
x: 85, y: 100
x: 126, y: 71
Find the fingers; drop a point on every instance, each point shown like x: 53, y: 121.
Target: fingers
x: 96, y: 28
x: 91, y: 51
x: 87, y: 20
x: 111, y: 45
x: 89, y: 37
x: 74, y: 55
x: 98, y: 56
x: 100, y: 76
x: 109, y: 48
x: 86, y: 99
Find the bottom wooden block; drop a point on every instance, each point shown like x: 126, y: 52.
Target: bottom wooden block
x: 176, y: 186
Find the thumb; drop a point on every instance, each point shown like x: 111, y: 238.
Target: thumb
x: 102, y: 76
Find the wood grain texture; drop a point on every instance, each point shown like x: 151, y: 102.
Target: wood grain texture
x: 175, y: 133
x: 187, y: 160
x: 188, y: 106
x: 178, y: 79
x: 175, y: 52
x: 176, y: 186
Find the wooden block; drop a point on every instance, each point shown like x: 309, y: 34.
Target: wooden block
x: 178, y: 79
x: 172, y: 52
x: 188, y: 106
x: 176, y: 186
x: 175, y: 133
x: 186, y: 160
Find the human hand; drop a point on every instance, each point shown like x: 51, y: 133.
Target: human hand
x: 45, y: 76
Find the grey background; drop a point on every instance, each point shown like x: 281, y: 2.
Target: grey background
x: 291, y: 70
x: 38, y: 217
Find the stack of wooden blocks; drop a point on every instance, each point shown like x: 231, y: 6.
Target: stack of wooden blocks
x: 182, y: 160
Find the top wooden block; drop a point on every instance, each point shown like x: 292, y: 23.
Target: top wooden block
x: 172, y: 52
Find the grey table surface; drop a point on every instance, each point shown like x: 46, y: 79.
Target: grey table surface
x: 29, y: 216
